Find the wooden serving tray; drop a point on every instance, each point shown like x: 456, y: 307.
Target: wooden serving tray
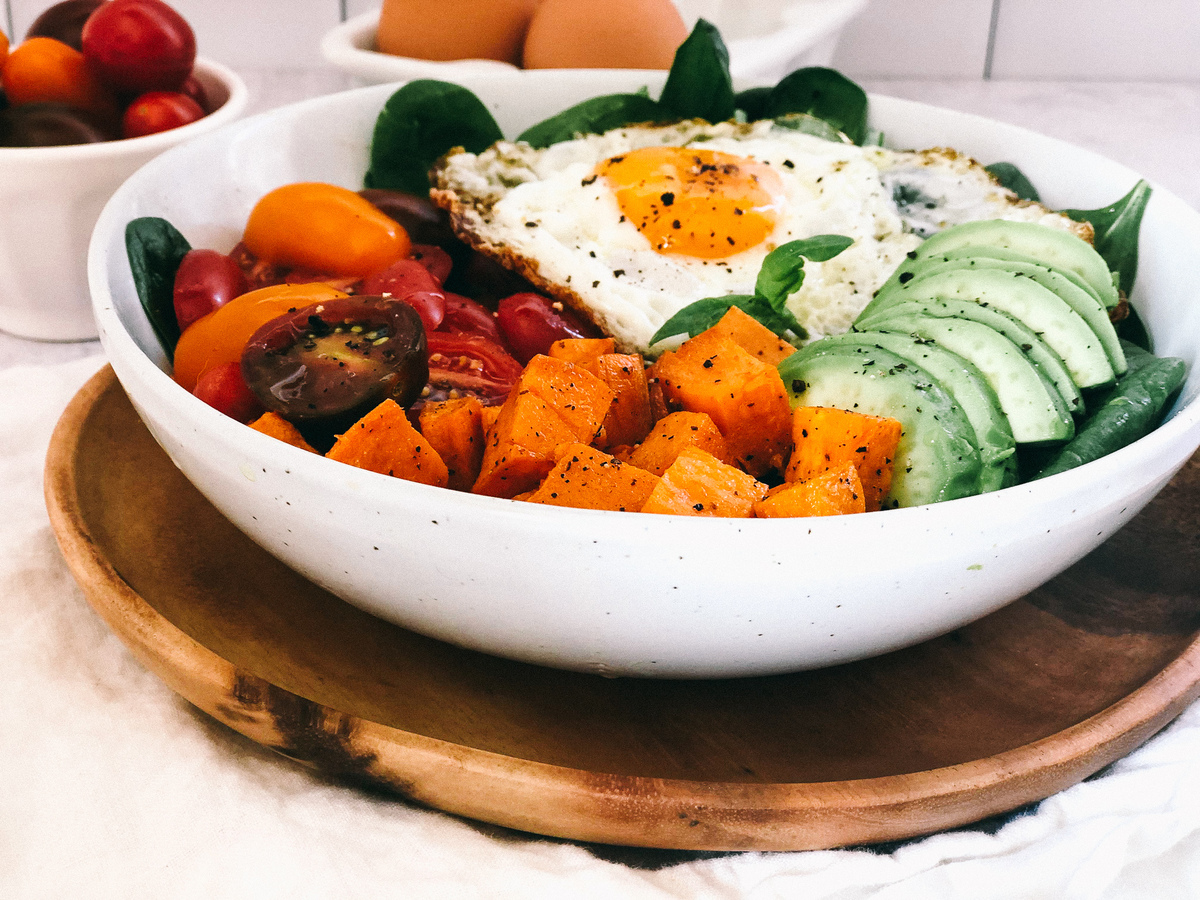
x: 992, y: 716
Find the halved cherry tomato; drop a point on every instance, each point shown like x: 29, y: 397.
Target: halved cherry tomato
x: 220, y: 337
x: 326, y: 228
x: 465, y: 364
x: 531, y: 323
x: 411, y: 282
x: 435, y: 259
x: 156, y: 111
x: 139, y: 45
x: 204, y: 281
x: 43, y: 70
x: 224, y: 389
x: 464, y: 315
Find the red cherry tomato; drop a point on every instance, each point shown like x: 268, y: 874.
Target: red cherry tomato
x: 205, y: 280
x: 139, y: 45
x: 224, y: 389
x: 435, y: 259
x: 469, y: 365
x: 464, y: 315
x: 531, y: 323
x: 194, y: 89
x: 156, y: 111
x: 411, y: 282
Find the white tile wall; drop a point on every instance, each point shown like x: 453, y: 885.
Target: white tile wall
x: 1066, y: 40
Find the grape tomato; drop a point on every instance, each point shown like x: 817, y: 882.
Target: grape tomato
x: 225, y: 390
x: 204, y: 281
x: 156, y: 111
x: 139, y: 45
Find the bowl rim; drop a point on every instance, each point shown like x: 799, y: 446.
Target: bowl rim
x: 227, y: 112
x: 1181, y: 429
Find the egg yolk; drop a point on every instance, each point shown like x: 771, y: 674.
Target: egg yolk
x: 695, y: 202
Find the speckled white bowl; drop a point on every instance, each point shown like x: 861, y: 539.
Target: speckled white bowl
x: 50, y: 198
x: 617, y: 593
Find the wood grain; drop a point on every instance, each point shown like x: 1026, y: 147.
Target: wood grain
x: 992, y: 716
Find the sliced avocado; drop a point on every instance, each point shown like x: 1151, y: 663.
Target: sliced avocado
x: 1048, y: 245
x: 937, y: 458
x: 1066, y: 284
x: 970, y: 390
x: 1037, y: 350
x: 1044, y: 311
x: 1035, y: 410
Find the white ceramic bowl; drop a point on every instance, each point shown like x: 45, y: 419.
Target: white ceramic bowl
x: 618, y: 593
x: 50, y: 198
x: 767, y: 39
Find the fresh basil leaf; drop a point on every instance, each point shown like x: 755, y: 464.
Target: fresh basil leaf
x: 1117, y: 227
x: 1014, y: 179
x: 703, y: 314
x: 752, y: 102
x: 699, y: 85
x: 418, y: 124
x: 155, y: 248
x: 593, y: 116
x: 782, y: 272
x: 824, y: 93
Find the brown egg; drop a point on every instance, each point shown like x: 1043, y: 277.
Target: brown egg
x: 618, y: 34
x: 454, y: 29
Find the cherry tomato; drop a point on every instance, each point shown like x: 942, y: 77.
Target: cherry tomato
x: 43, y: 70
x: 224, y: 389
x: 204, y: 281
x: 424, y: 222
x: 335, y: 361
x: 156, y: 111
x: 435, y: 259
x: 465, y: 316
x: 220, y: 337
x: 531, y: 323
x: 326, y: 228
x: 3, y: 48
x: 51, y: 125
x: 139, y: 45
x: 409, y: 281
x: 64, y: 21
x: 194, y: 89
x: 463, y: 364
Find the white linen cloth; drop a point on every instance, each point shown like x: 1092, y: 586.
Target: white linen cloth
x: 111, y: 786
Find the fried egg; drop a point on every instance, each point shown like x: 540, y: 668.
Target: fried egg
x: 630, y: 226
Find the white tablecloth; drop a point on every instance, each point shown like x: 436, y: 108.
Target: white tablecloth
x: 111, y: 786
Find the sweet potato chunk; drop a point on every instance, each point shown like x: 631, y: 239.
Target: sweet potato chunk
x: 827, y: 438
x: 385, y: 441
x: 520, y: 446
x: 629, y: 419
x: 754, y: 337
x: 699, y: 484
x: 744, y: 396
x: 580, y: 398
x: 582, y: 351
x: 455, y: 430
x: 276, y: 426
x: 587, y: 478
x: 672, y: 434
x: 834, y: 493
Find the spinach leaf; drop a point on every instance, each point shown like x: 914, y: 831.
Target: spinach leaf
x: 752, y: 102
x: 155, y: 248
x: 782, y: 271
x: 1014, y: 179
x: 824, y: 93
x: 593, y: 116
x: 699, y: 85
x: 417, y: 125
x: 1117, y: 227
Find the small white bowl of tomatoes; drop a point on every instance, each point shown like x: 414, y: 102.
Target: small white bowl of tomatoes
x: 95, y: 89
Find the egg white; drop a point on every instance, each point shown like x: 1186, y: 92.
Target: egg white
x: 543, y: 213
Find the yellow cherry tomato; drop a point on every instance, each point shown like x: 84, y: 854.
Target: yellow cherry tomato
x: 43, y: 70
x: 219, y: 337
x: 325, y: 228
x: 3, y: 51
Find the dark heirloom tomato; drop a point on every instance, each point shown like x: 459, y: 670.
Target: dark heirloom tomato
x: 424, y: 222
x: 64, y: 21
x: 463, y: 364
x: 334, y: 361
x: 51, y: 125
x: 531, y: 323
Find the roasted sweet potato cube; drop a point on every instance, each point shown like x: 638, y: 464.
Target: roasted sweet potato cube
x: 672, y: 434
x: 744, y: 396
x: 455, y: 430
x: 385, y: 441
x: 582, y: 351
x: 276, y: 426
x: 587, y: 478
x: 827, y: 438
x: 629, y: 419
x: 754, y: 337
x: 699, y: 484
x: 520, y: 446
x: 833, y: 493
x: 578, y: 396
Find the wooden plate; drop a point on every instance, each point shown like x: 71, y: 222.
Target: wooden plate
x: 1006, y: 711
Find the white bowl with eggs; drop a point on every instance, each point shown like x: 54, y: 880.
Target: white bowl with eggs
x: 50, y: 198
x: 623, y: 593
x: 766, y: 40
